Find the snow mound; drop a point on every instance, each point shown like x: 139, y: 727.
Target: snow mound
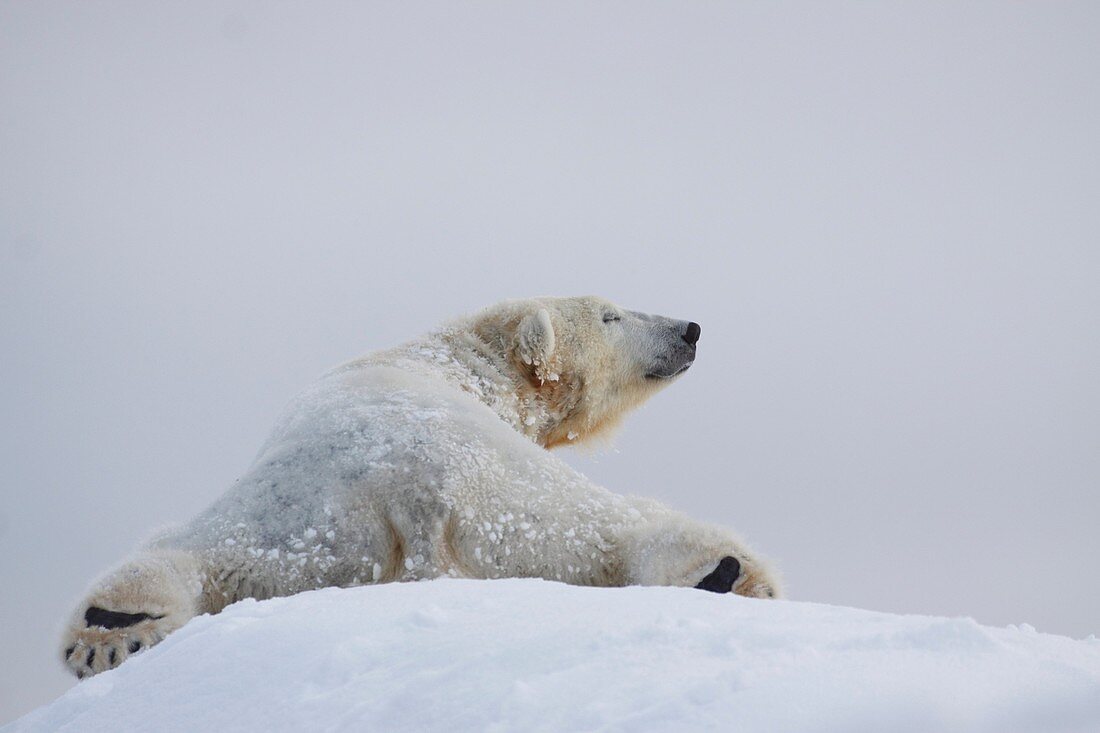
x: 529, y: 655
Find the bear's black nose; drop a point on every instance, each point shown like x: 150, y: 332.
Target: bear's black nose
x: 692, y: 334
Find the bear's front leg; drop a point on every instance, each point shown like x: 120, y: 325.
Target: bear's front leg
x: 668, y: 548
x: 130, y: 609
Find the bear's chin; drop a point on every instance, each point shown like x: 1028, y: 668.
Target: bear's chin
x: 662, y: 376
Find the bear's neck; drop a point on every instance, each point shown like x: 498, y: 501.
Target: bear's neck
x: 477, y: 368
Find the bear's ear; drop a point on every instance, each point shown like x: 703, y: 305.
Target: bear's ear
x: 535, y: 342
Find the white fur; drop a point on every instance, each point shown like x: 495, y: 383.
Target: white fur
x: 429, y: 460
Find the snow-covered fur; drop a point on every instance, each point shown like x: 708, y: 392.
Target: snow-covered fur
x: 426, y: 460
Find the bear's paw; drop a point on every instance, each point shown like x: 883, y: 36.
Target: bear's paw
x: 107, y: 638
x: 730, y: 575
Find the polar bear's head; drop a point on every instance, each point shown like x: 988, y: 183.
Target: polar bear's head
x: 585, y: 360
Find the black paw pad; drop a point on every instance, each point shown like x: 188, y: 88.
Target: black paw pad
x: 96, y: 616
x: 722, y: 578
x: 134, y: 645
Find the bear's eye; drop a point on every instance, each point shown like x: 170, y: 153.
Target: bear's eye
x: 609, y: 317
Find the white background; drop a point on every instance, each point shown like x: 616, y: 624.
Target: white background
x: 885, y: 217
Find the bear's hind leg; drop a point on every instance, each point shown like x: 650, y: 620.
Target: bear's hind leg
x: 133, y: 607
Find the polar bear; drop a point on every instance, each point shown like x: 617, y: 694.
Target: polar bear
x: 430, y: 460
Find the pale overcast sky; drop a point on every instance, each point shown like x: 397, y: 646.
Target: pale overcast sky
x: 886, y: 218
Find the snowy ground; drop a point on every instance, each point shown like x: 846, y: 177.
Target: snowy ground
x: 524, y: 655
